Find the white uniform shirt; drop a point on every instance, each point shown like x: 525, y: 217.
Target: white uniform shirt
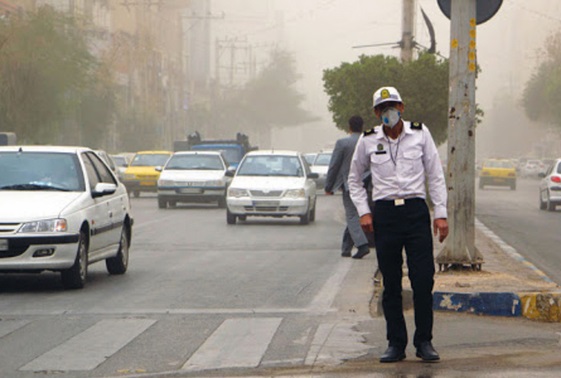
x: 398, y: 168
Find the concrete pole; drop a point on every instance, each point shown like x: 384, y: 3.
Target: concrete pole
x: 408, y: 24
x: 460, y: 247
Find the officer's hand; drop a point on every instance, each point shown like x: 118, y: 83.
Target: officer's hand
x: 328, y: 193
x: 366, y: 223
x: 441, y: 227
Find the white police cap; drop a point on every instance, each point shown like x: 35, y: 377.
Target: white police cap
x: 386, y: 94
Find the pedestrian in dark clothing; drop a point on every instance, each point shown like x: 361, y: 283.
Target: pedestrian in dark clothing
x: 336, y: 179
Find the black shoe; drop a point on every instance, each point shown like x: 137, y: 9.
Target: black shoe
x: 393, y: 354
x: 427, y: 352
x: 346, y: 254
x: 363, y: 250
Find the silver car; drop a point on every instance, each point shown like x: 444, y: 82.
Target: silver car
x: 62, y: 209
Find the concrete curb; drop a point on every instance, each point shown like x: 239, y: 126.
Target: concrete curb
x: 541, y: 306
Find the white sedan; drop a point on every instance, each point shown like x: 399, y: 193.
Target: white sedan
x: 272, y: 183
x: 193, y: 176
x: 550, y: 187
x: 62, y: 209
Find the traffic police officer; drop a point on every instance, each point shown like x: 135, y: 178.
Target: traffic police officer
x: 401, y: 155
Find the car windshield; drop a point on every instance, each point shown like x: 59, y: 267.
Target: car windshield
x: 120, y: 161
x: 232, y: 154
x: 195, y: 162
x: 271, y: 165
x: 40, y: 171
x: 322, y: 159
x: 499, y: 164
x: 149, y: 160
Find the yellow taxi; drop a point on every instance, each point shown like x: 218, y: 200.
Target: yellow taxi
x: 141, y: 174
x: 498, y: 172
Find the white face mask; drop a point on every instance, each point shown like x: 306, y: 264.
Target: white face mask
x: 390, y: 117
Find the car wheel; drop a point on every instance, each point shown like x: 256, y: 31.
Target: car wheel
x: 480, y: 185
x: 230, y: 218
x: 136, y: 193
x: 550, y: 205
x: 222, y: 203
x: 172, y: 203
x: 513, y: 186
x: 75, y: 276
x: 162, y: 203
x: 119, y: 263
x: 543, y: 204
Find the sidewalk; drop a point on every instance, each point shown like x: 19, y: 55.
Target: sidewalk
x: 507, y: 285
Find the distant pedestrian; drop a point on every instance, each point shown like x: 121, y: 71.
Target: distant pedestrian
x: 400, y: 155
x: 336, y: 179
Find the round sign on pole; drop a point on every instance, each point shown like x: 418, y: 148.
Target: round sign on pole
x: 485, y: 9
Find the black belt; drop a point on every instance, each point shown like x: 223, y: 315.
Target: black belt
x: 398, y: 201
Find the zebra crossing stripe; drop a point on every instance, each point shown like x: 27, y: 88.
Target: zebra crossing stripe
x: 90, y: 348
x: 236, y: 343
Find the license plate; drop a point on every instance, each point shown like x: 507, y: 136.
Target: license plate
x: 3, y: 244
x: 499, y: 180
x: 147, y: 183
x: 190, y: 191
x: 265, y: 203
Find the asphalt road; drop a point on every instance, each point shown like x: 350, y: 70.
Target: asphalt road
x: 516, y: 218
x: 202, y: 298
x: 196, y: 287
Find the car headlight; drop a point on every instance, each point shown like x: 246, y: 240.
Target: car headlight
x: 214, y: 183
x: 166, y: 183
x: 295, y: 193
x: 236, y: 192
x: 49, y: 225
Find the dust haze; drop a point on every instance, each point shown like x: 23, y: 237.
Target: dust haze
x: 321, y: 34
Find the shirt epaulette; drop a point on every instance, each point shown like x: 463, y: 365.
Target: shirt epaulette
x: 416, y: 125
x: 369, y: 132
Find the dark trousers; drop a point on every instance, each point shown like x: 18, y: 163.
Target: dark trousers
x: 396, y: 227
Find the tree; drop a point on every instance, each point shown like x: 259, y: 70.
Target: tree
x: 422, y: 83
x: 543, y: 90
x: 266, y: 101
x: 49, y: 87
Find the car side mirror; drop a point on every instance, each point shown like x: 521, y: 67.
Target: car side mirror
x: 159, y: 168
x: 102, y: 189
x: 313, y: 175
x: 230, y: 172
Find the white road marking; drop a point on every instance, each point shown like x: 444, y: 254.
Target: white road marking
x: 90, y: 348
x: 164, y: 311
x: 323, y: 300
x: 236, y: 343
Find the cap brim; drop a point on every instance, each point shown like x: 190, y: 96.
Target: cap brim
x: 389, y: 99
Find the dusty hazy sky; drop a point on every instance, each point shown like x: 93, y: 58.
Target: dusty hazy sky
x: 321, y: 34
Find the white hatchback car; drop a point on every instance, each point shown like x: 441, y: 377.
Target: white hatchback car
x: 193, y: 176
x: 62, y: 209
x: 550, y: 187
x: 272, y: 183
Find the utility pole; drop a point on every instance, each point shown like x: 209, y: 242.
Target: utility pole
x: 407, y: 36
x: 460, y: 247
